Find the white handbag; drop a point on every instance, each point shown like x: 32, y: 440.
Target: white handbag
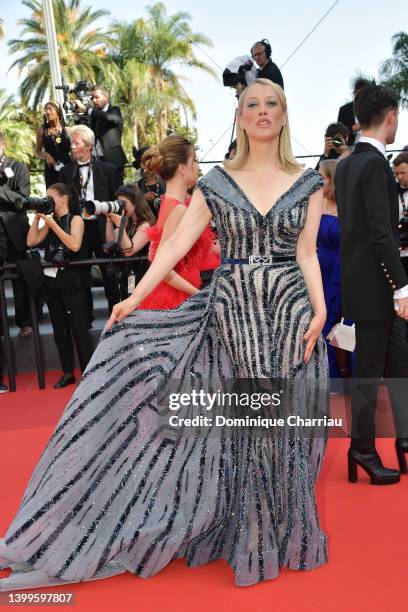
x: 343, y: 336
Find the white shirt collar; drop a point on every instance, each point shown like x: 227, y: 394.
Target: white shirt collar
x: 105, y: 108
x: 380, y: 146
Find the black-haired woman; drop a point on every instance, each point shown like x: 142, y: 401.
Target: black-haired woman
x: 67, y: 287
x: 135, y: 240
x: 53, y: 144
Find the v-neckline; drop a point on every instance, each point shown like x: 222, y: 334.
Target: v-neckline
x: 246, y: 198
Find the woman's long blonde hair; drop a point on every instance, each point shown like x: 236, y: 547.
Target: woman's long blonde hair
x: 286, y: 158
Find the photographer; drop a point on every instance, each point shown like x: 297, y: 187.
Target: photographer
x: 107, y: 125
x: 94, y: 180
x: 66, y: 287
x: 15, y: 180
x: 335, y: 142
x: 53, y: 144
x: 400, y: 164
x: 261, y: 53
x: 150, y: 183
x: 135, y: 239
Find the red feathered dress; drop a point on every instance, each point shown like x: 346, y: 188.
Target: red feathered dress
x: 202, y: 256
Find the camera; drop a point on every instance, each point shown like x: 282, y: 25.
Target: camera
x: 81, y: 91
x: 403, y: 232
x: 5, y: 175
x: 60, y: 256
x: 45, y: 205
x: 240, y: 70
x: 95, y: 207
x: 337, y: 141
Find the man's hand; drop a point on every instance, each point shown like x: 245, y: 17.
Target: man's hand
x: 80, y: 106
x: 401, y: 308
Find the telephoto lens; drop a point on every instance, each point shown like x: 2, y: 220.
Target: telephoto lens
x: 39, y: 205
x: 95, y: 207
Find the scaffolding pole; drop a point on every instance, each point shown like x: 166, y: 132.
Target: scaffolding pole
x: 55, y: 68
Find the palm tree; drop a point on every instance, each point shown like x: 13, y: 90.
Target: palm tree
x: 81, y: 46
x: 394, y: 71
x: 143, y: 75
x: 18, y: 134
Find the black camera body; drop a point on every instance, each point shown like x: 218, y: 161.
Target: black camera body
x: 45, y: 205
x: 81, y: 91
x: 60, y: 256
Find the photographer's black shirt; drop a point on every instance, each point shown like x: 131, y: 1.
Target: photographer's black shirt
x: 68, y: 278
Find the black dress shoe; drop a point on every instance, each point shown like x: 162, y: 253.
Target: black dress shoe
x: 401, y: 446
x: 66, y: 379
x: 371, y: 463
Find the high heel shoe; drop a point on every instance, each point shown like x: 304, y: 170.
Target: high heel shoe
x: 371, y: 463
x: 401, y: 446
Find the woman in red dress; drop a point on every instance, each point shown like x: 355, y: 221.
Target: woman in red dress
x: 174, y: 160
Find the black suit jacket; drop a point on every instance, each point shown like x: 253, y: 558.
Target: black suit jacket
x: 108, y: 127
x: 105, y: 180
x: 367, y: 201
x: 347, y: 117
x: 15, y: 222
x: 270, y: 71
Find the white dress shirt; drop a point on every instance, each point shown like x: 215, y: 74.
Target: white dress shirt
x: 403, y: 292
x: 84, y: 170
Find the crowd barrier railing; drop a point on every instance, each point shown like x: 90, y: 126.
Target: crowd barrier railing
x: 9, y: 272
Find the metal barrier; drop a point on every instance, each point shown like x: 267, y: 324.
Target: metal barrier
x: 9, y: 272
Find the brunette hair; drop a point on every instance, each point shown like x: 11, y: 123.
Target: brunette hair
x: 57, y: 107
x: 141, y: 207
x: 164, y: 158
x: 402, y: 158
x: 72, y: 195
x: 328, y: 166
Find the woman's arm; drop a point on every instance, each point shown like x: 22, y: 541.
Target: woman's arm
x: 139, y: 240
x: 109, y: 232
x: 35, y: 234
x: 73, y: 240
x: 192, y: 225
x: 306, y: 257
x: 39, y: 148
x: 172, y: 222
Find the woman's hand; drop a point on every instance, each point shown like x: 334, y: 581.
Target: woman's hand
x: 50, y: 160
x: 116, y: 219
x: 312, y: 335
x: 49, y: 221
x: 121, y: 311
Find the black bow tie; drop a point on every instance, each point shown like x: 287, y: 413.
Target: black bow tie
x: 84, y: 165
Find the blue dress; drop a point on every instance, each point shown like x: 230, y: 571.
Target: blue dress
x: 328, y: 252
x: 118, y: 489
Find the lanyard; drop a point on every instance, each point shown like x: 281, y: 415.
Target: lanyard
x: 404, y: 206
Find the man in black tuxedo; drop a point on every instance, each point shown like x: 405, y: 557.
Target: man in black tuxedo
x: 347, y: 114
x: 14, y: 181
x: 261, y: 53
x: 373, y: 281
x: 94, y: 180
x: 107, y: 125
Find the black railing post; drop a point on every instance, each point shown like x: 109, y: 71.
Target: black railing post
x: 8, y: 350
x: 38, y: 348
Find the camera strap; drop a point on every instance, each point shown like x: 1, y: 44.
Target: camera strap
x: 121, y: 230
x: 84, y: 186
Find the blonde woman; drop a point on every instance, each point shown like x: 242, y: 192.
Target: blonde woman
x: 124, y: 485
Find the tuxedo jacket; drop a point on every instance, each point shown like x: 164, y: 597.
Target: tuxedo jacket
x: 108, y: 127
x: 15, y: 223
x: 105, y: 180
x: 270, y: 71
x: 347, y: 117
x: 371, y: 268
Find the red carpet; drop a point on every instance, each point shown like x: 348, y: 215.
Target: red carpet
x: 367, y: 528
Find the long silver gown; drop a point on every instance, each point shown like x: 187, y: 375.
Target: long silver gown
x: 117, y: 490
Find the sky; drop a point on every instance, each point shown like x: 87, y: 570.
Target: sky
x: 354, y: 38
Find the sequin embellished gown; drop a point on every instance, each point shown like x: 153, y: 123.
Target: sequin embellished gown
x: 115, y: 490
